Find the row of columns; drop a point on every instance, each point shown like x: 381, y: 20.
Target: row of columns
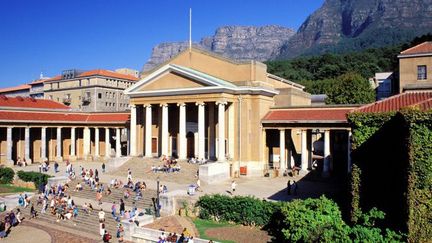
x: 86, y: 138
x: 304, y: 154
x: 182, y: 130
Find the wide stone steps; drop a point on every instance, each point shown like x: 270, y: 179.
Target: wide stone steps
x: 116, y: 194
x: 84, y: 222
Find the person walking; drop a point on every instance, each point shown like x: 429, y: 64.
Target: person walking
x: 295, y: 187
x: 122, y: 207
x: 289, y: 187
x: 56, y: 165
x: 103, y: 167
x: 233, y: 187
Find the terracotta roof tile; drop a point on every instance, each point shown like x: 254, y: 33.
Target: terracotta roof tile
x: 308, y: 115
x: 424, y: 105
x: 61, y: 117
x: 425, y: 47
x: 397, y: 102
x: 28, y: 102
x: 102, y: 72
x: 16, y: 88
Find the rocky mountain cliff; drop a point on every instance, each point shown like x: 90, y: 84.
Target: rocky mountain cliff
x: 357, y: 24
x: 236, y: 42
x: 337, y: 26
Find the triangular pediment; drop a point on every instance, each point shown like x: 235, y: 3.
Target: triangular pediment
x: 171, y: 78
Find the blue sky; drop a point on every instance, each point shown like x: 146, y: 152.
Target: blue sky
x: 51, y: 36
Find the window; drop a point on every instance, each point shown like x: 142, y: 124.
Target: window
x: 99, y: 95
x: 421, y: 72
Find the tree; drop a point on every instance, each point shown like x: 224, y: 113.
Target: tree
x: 351, y: 88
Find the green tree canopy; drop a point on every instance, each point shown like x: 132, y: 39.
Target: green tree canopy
x: 350, y: 88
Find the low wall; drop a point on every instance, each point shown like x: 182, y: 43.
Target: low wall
x: 214, y: 172
x: 145, y: 235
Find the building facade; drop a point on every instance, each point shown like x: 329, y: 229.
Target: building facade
x: 37, y: 130
x: 415, y: 67
x: 90, y: 91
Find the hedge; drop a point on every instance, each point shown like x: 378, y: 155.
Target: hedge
x: 310, y: 220
x: 36, y: 177
x: 392, y: 169
x: 238, y: 209
x: 6, y: 175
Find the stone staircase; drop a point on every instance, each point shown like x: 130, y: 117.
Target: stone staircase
x: 145, y: 204
x: 86, y: 223
x: 89, y: 223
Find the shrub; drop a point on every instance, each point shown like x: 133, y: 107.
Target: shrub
x: 238, y: 209
x: 6, y: 175
x: 36, y: 177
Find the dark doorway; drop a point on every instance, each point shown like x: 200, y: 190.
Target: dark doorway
x: 190, y: 137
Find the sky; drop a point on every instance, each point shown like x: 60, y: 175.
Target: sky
x: 49, y: 36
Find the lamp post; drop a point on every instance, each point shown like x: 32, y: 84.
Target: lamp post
x: 157, y: 199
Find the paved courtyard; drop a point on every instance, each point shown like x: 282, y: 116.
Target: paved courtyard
x: 260, y: 187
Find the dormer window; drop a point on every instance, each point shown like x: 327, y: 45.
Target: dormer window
x: 421, y: 72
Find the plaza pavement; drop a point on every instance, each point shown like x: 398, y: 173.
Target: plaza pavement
x: 260, y: 187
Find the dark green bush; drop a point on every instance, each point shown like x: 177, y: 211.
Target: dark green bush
x: 238, y: 209
x: 36, y: 177
x: 6, y: 175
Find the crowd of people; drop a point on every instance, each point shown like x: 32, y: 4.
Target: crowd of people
x: 169, y: 165
x: 10, y: 220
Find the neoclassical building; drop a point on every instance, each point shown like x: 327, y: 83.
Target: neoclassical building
x: 37, y: 130
x: 202, y: 105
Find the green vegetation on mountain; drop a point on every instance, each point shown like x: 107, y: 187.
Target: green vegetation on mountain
x: 321, y: 74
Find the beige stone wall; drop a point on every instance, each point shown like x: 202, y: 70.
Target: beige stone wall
x: 292, y: 97
x: 408, y: 70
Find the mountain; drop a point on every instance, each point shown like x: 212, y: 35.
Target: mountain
x: 337, y: 26
x: 345, y: 25
x: 235, y: 42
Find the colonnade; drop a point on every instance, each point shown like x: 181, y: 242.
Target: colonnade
x: 286, y: 160
x: 164, y: 134
x: 88, y: 151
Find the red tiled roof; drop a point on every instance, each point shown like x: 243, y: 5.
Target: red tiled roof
x: 396, y: 102
x: 16, y: 88
x: 61, y: 117
x: 313, y: 114
x: 424, y: 105
x: 102, y: 72
x: 30, y: 103
x: 425, y: 47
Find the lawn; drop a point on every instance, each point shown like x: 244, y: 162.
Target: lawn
x: 8, y: 188
x: 203, y: 225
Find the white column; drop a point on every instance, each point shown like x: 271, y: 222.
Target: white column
x: 282, y: 150
x: 27, y: 144
x: 231, y: 130
x: 118, y: 144
x: 133, y: 132
x: 59, y: 144
x: 43, y: 144
x: 182, y: 131
x: 304, y: 153
x: 86, y: 138
x: 73, y: 144
x: 349, y: 151
x: 164, y: 134
x: 326, y: 152
x: 9, y: 146
x: 97, y: 142
x: 201, y: 130
x: 211, y: 142
x: 148, y: 132
x: 107, y: 143
x: 221, y: 131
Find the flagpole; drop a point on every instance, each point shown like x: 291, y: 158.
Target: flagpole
x: 190, y: 29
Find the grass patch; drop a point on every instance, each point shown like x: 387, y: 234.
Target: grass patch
x: 203, y: 225
x: 8, y: 188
